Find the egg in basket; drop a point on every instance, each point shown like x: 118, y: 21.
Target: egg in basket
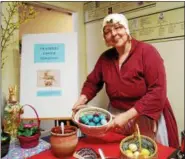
x: 92, y: 121
x: 138, y: 146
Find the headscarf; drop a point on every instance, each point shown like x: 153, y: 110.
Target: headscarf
x: 115, y: 18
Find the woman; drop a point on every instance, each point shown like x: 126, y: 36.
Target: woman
x: 135, y: 81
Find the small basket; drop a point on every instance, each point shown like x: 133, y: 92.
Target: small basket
x: 94, y: 131
x: 140, y: 138
x: 30, y: 141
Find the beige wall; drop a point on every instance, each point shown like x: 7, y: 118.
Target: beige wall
x: 47, y: 21
x: 171, y: 51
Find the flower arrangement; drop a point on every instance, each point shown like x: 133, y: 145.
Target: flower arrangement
x: 27, y: 129
x: 28, y: 134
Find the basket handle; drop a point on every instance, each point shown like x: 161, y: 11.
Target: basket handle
x: 38, y: 121
x: 139, y: 136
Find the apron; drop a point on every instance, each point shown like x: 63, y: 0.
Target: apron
x: 147, y: 126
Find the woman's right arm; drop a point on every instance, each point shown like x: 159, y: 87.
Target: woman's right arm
x: 80, y: 102
x: 92, y: 85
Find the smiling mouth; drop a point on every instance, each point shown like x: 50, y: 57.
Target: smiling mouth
x: 116, y: 40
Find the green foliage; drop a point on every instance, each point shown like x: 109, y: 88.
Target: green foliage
x: 10, y: 24
x: 26, y: 131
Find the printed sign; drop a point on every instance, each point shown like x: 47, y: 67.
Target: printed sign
x: 49, y: 53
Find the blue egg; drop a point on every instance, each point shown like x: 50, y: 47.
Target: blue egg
x: 103, y: 121
x: 102, y: 116
x: 98, y: 124
x: 89, y: 116
x: 92, y: 124
x: 96, y: 119
x: 84, y: 120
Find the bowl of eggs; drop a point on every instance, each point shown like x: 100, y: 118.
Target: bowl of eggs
x: 92, y: 121
x: 138, y: 147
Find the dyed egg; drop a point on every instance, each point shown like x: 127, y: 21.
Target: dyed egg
x: 84, y: 120
x: 132, y: 147
x: 96, y: 119
x: 145, y: 152
x: 89, y: 116
x: 129, y: 153
x: 92, y: 124
x: 98, y: 124
x: 102, y: 116
x: 136, y: 154
x: 103, y: 121
x: 96, y: 115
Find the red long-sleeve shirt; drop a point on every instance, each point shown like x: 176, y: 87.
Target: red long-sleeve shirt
x: 139, y: 83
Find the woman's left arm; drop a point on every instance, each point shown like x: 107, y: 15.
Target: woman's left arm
x: 152, y: 103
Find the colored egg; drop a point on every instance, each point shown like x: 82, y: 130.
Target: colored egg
x: 136, y: 154
x: 92, y: 124
x: 96, y: 115
x: 98, y: 124
x: 145, y: 152
x: 103, y: 121
x: 89, y: 116
x: 132, y: 147
x: 102, y: 116
x: 84, y: 120
x: 129, y: 153
x: 96, y: 119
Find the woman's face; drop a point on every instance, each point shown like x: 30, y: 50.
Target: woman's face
x: 115, y: 35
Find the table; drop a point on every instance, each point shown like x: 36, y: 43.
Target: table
x: 109, y: 144
x: 16, y: 152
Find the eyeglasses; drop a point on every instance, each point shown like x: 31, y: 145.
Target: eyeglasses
x: 109, y: 30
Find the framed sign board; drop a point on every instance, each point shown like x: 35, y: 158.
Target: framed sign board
x: 49, y: 74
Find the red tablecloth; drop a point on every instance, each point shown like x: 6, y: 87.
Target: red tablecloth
x: 109, y: 144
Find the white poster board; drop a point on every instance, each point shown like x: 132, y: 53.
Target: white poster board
x: 49, y: 74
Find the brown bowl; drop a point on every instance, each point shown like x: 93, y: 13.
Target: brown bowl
x: 63, y: 145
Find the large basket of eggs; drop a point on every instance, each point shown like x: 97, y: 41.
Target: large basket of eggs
x: 92, y: 121
x: 138, y: 146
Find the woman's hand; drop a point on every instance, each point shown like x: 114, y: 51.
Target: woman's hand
x: 118, y: 121
x: 124, y: 122
x: 79, y: 103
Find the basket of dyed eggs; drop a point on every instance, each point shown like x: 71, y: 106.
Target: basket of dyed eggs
x: 138, y: 147
x: 92, y: 121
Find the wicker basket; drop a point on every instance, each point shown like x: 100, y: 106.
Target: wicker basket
x: 30, y: 141
x: 95, y: 131
x: 139, y: 138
